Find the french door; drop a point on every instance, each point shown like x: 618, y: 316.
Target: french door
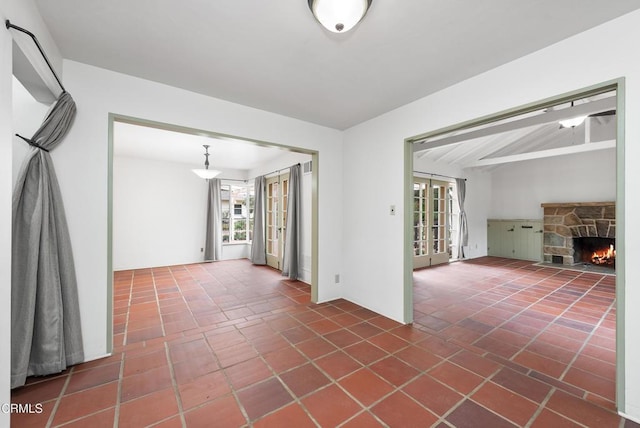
x: 432, y: 205
x: 277, y: 191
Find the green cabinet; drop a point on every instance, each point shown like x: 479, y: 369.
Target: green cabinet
x: 515, y: 239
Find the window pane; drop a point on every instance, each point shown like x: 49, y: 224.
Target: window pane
x: 224, y: 196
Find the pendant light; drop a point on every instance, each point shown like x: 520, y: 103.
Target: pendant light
x: 206, y: 173
x: 339, y: 16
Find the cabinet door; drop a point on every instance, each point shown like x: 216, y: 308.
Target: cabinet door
x: 508, y: 229
x: 521, y: 240
x: 500, y: 238
x: 515, y: 239
x: 528, y: 241
x: 494, y: 243
x: 535, y: 250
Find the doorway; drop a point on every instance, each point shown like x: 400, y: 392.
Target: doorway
x: 239, y: 211
x: 474, y: 131
x: 433, y: 225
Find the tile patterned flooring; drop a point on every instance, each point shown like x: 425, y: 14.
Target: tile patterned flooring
x: 495, y: 343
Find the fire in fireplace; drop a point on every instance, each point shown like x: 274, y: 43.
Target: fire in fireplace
x: 604, y: 257
x: 598, y: 251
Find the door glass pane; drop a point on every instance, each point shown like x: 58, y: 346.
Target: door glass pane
x: 225, y: 197
x: 419, y: 218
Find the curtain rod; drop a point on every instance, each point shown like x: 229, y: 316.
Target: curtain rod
x: 9, y: 26
x: 281, y: 169
x: 233, y: 179
x: 439, y: 175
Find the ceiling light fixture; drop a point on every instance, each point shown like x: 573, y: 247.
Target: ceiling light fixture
x: 206, y: 173
x: 573, y: 122
x: 339, y: 16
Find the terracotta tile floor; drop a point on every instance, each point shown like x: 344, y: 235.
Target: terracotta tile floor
x: 495, y: 343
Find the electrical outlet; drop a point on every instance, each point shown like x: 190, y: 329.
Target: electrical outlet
x: 392, y: 210
x: 337, y: 278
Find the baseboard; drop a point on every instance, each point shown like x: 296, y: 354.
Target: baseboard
x: 631, y: 418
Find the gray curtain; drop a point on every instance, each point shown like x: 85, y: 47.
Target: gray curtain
x: 291, y: 256
x: 258, y: 246
x: 46, y: 335
x: 213, y: 239
x: 463, y: 233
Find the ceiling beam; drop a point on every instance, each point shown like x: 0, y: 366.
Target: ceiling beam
x: 540, y: 119
x: 590, y: 147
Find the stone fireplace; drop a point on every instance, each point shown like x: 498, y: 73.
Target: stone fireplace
x: 579, y: 232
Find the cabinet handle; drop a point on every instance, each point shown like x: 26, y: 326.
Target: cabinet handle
x: 538, y: 231
x: 510, y: 230
x: 527, y: 227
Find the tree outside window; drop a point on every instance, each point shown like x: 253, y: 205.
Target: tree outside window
x: 237, y: 213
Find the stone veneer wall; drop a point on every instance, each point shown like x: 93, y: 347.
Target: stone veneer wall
x: 565, y: 221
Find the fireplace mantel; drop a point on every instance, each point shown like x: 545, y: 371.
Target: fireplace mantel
x: 565, y: 221
x: 577, y: 204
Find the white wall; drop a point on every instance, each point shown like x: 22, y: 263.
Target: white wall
x: 598, y: 55
x: 372, y: 240
x: 27, y: 118
x: 159, y: 211
x: 23, y: 13
x: 519, y: 188
x: 285, y: 161
x: 82, y: 165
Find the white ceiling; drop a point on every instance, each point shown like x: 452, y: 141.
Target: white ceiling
x: 160, y: 144
x: 534, y: 135
x: 273, y: 55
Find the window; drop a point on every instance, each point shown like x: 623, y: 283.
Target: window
x: 237, y: 213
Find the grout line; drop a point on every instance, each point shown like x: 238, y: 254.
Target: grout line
x: 540, y: 408
x: 155, y: 293
x: 174, y: 384
x: 232, y: 389
x: 116, y: 416
x: 566, y: 283
x: 537, y: 283
x: 584, y: 345
x: 234, y: 280
x: 59, y: 399
x: 125, y: 336
x: 557, y: 317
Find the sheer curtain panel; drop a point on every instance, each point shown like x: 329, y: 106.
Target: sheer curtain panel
x: 46, y: 334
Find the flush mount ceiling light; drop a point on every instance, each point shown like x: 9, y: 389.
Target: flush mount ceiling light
x: 206, y: 173
x: 339, y: 16
x: 572, y: 122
